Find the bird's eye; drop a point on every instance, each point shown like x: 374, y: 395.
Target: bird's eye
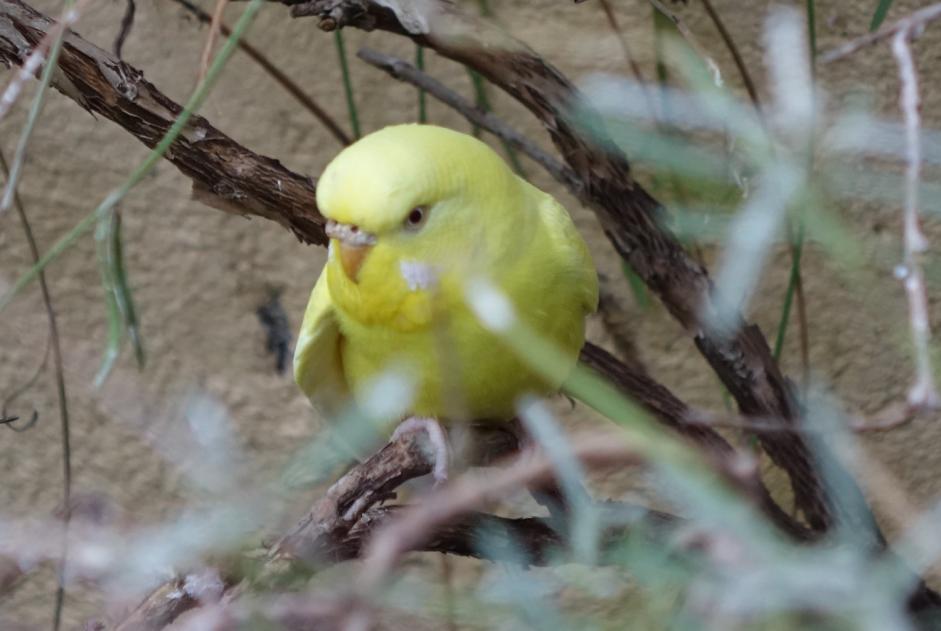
x: 416, y: 218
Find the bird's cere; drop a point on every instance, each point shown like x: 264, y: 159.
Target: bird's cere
x: 348, y: 234
x: 418, y: 275
x: 490, y: 305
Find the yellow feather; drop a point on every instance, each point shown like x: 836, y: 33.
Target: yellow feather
x: 406, y: 308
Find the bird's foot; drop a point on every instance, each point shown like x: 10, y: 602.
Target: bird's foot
x: 436, y: 436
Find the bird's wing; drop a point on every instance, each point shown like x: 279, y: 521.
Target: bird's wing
x: 318, y: 367
x: 568, y: 242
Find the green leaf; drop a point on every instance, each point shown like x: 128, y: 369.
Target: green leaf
x: 880, y: 14
x: 347, y: 83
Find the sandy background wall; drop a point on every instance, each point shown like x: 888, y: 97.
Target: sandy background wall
x: 199, y: 274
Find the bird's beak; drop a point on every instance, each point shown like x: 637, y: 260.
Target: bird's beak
x: 353, y: 244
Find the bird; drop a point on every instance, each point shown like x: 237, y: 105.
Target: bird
x: 414, y: 213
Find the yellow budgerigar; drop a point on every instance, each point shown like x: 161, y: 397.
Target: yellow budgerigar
x: 415, y: 212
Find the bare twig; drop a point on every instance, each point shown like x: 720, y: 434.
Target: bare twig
x: 404, y: 71
x: 56, y: 346
x: 628, y: 56
x: 11, y: 196
x: 214, y: 30
x: 276, y: 73
x: 923, y: 393
x: 127, y: 23
x: 912, y: 24
x: 736, y: 55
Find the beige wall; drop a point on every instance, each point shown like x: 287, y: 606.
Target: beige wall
x: 199, y: 274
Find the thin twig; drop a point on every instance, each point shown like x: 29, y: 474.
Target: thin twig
x: 276, y: 73
x: 628, y: 55
x: 923, y: 393
x: 404, y: 71
x: 12, y: 173
x: 127, y: 22
x: 214, y: 30
x: 912, y: 24
x: 58, y: 365
x: 736, y: 55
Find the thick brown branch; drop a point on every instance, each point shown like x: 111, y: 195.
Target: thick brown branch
x: 225, y: 174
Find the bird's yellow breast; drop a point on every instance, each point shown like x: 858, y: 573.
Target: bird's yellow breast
x: 459, y: 369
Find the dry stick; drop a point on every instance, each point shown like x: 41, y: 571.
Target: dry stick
x: 736, y: 56
x: 127, y: 22
x: 911, y: 24
x: 276, y: 73
x: 214, y: 29
x: 404, y: 71
x: 55, y: 344
x: 923, y: 394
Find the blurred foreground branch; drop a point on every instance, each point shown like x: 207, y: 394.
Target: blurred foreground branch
x: 342, y: 523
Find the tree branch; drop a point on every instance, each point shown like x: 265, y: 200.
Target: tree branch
x: 344, y: 520
x: 225, y: 175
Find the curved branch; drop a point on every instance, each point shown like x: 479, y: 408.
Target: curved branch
x: 225, y: 174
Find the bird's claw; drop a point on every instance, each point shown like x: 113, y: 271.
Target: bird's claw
x: 436, y: 436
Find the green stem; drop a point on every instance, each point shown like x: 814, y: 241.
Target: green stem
x: 797, y: 243
x: 347, y: 83
x: 420, y: 64
x: 797, y: 250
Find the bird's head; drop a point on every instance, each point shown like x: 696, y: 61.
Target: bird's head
x: 414, y: 195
